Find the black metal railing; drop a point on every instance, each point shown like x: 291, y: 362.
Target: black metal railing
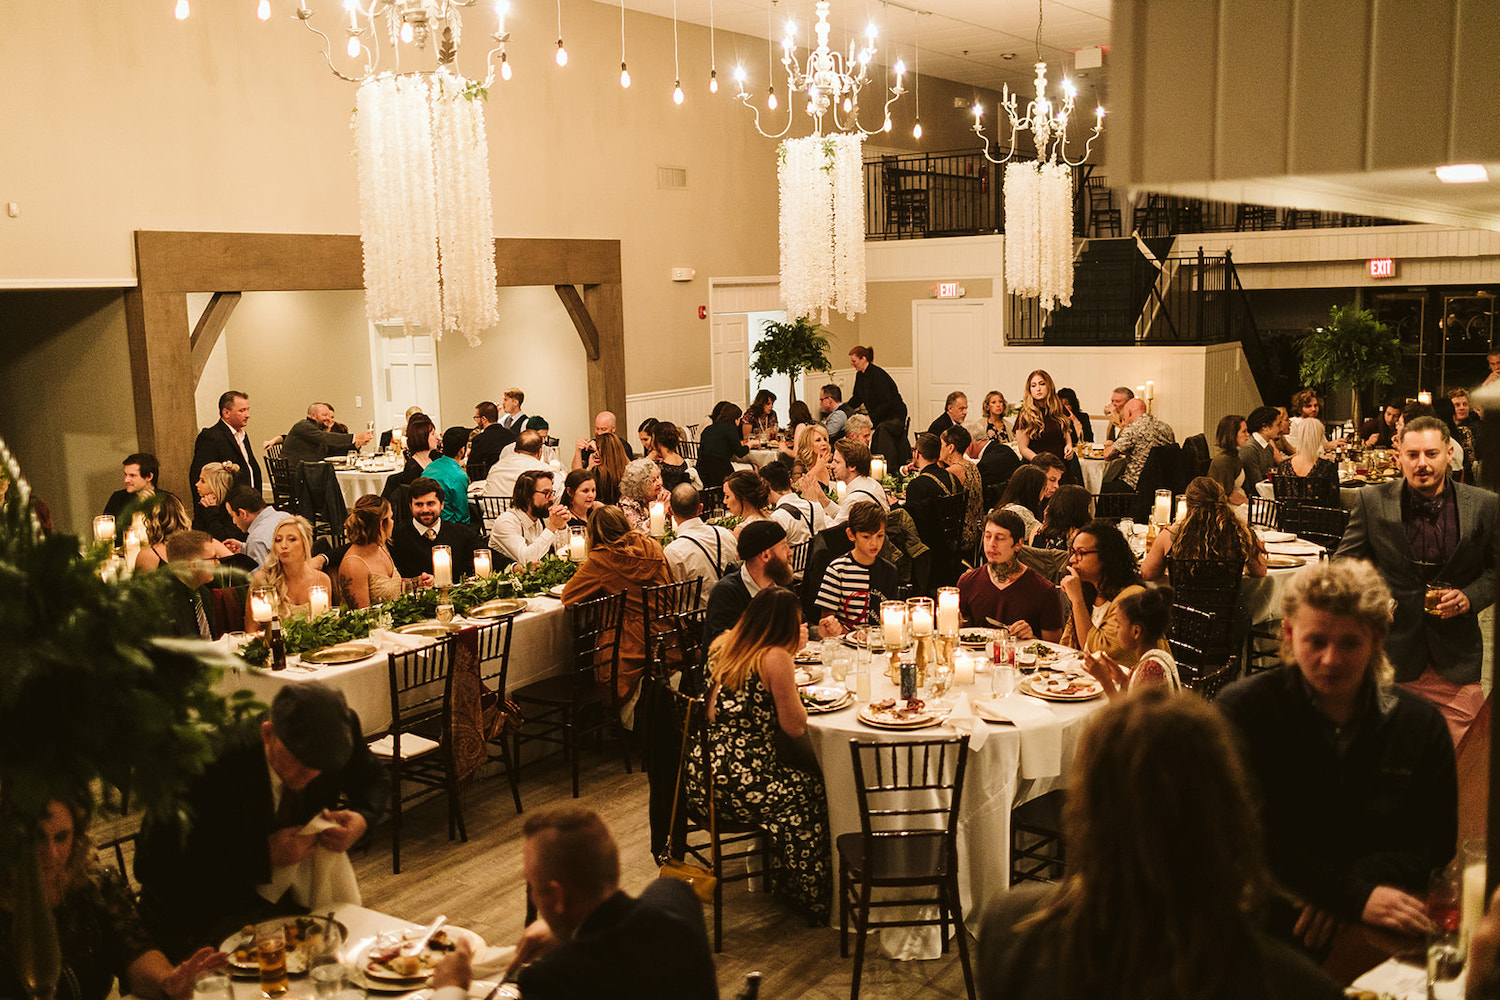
x: 1168, y: 215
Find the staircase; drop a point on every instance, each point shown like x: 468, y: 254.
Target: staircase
x: 1111, y: 282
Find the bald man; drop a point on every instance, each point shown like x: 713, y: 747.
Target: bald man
x: 312, y: 440
x: 604, y: 423
x: 1139, y: 433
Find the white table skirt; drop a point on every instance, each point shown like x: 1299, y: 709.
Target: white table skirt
x: 1261, y: 595
x: 541, y: 646
x: 760, y: 457
x: 355, y: 484
x: 992, y: 787
x: 1098, y: 471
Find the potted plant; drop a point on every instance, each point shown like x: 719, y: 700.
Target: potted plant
x: 89, y: 697
x: 790, y: 349
x: 1351, y: 351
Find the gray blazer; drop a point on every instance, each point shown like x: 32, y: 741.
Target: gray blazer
x: 1257, y: 462
x: 1452, y: 646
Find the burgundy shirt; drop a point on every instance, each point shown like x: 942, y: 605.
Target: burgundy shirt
x: 1030, y: 598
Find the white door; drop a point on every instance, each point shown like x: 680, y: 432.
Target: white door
x: 731, y: 357
x: 950, y: 347
x: 406, y: 374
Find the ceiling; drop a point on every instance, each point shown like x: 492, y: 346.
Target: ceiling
x: 967, y: 41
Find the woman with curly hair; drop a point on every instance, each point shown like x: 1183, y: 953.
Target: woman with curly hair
x: 753, y: 705
x: 1043, y: 424
x: 813, y: 454
x: 640, y: 487
x: 1070, y: 508
x: 759, y: 421
x: 607, y: 461
x: 100, y: 935
x: 215, y: 480
x: 1101, y: 572
x: 1165, y: 897
x: 368, y: 574
x: 1210, y: 531
x: 288, y: 571
x: 748, y: 498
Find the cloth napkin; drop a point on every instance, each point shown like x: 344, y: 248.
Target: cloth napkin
x: 388, y: 640
x: 321, y: 881
x: 962, y: 719
x: 1039, y: 726
x: 1295, y: 547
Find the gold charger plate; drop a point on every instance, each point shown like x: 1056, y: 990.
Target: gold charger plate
x: 431, y: 629
x: 344, y: 652
x: 1277, y: 561
x: 502, y: 608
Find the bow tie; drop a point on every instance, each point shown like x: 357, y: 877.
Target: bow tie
x: 1429, y: 509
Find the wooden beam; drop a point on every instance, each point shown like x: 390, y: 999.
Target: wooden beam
x: 210, y: 325
x: 557, y: 262
x: 606, y: 306
x: 582, y: 321
x: 161, y: 371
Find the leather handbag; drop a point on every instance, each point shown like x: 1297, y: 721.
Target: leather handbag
x: 701, y: 879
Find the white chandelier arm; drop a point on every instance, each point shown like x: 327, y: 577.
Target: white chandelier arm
x: 746, y: 99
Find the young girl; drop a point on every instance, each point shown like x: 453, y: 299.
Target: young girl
x: 1144, y: 615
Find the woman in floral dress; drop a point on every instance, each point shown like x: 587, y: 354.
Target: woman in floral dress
x: 754, y: 694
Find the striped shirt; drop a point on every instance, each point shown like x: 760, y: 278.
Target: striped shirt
x: 845, y: 592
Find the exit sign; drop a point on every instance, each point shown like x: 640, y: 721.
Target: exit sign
x: 949, y: 290
x: 1382, y: 267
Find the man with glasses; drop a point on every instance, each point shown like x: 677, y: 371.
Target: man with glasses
x: 191, y: 562
x: 832, y: 412
x: 530, y: 528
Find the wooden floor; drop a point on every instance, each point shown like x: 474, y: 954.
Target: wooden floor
x: 479, y: 885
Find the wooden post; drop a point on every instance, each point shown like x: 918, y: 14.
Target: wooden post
x: 161, y: 370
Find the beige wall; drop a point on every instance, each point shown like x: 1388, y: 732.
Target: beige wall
x: 66, y: 409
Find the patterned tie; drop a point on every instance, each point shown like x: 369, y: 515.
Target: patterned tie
x: 432, y: 534
x: 203, y: 629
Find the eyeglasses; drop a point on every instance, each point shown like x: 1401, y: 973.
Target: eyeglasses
x: 545, y: 493
x: 1080, y: 553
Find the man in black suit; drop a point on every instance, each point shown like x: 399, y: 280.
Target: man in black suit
x: 922, y: 493
x: 954, y: 411
x: 590, y: 938
x: 1420, y: 531
x: 313, y: 438
x: 412, y: 541
x: 305, y: 758
x: 190, y: 568
x: 139, y: 472
x: 226, y: 441
x: 485, y: 445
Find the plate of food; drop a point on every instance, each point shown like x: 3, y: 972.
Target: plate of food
x: 431, y: 629
x: 304, y: 941
x: 858, y: 638
x: 383, y: 966
x: 556, y: 591
x: 1281, y: 561
x: 808, y: 654
x: 344, y: 652
x: 1057, y: 686
x: 819, y: 700
x: 807, y: 675
x: 502, y: 608
x: 893, y: 713
x: 974, y: 638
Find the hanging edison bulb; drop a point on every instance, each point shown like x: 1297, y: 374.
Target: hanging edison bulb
x: 504, y: 67
x: 353, y: 47
x: 771, y: 98
x: 916, y: 130
x: 182, y: 11
x: 677, y: 92
x: 624, y: 76
x: 263, y: 11
x: 562, y: 54
x: 713, y: 81
x: 407, y: 32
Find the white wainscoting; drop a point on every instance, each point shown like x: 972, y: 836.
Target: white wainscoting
x: 685, y: 406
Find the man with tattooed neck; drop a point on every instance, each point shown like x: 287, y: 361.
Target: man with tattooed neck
x: 1003, y: 592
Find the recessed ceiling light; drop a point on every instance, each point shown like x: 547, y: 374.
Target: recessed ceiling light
x: 1007, y: 56
x: 1463, y: 173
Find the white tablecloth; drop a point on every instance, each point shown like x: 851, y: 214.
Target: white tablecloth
x: 1098, y: 471
x: 762, y: 456
x: 541, y: 646
x: 992, y: 787
x: 355, y: 484
x: 1262, y: 595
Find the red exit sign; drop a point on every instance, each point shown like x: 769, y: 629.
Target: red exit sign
x: 1382, y: 267
x: 949, y: 290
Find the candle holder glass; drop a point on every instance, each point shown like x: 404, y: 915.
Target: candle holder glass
x: 920, y: 616
x: 104, y: 528
x: 947, y: 612
x: 893, y: 624
x: 263, y: 604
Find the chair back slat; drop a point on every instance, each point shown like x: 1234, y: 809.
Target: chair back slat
x: 1264, y: 512
x: 667, y: 642
x: 1114, y: 506
x: 1324, y: 525
x: 909, y: 787
x: 1210, y: 584
x: 489, y: 508
x: 597, y: 624
x: 951, y: 511
x: 799, y: 556
x: 494, y: 654
x: 420, y: 682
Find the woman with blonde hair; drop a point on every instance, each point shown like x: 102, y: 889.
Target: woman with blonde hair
x: 814, y: 453
x: 1307, y: 462
x: 1210, y: 531
x: 289, y: 571
x: 368, y: 574
x: 1043, y: 425
x: 753, y: 703
x: 991, y: 425
x: 215, y: 480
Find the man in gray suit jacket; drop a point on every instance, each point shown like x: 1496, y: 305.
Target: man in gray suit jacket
x: 1258, y: 455
x: 1423, y: 530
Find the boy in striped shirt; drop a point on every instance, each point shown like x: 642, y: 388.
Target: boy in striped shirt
x: 855, y: 583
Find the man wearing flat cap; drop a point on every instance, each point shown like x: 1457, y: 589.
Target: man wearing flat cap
x: 234, y: 855
x: 765, y: 561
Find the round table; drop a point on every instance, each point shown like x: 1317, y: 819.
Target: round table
x: 356, y: 483
x: 1098, y: 471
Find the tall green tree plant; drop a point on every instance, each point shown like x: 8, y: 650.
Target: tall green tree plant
x: 89, y: 697
x: 790, y: 349
x: 1353, y: 351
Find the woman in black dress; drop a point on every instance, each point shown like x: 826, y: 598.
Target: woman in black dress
x: 1043, y: 424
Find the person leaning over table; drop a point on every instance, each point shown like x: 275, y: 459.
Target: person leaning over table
x: 1004, y: 592
x: 876, y: 391
x: 421, y: 527
x: 257, y: 519
x: 312, y: 438
x: 1231, y: 435
x: 1420, y: 530
x: 290, y: 572
x: 100, y: 936
x: 1165, y: 880
x: 1101, y: 571
x: 526, y: 456
x: 620, y: 560
x: 241, y: 858
x: 1356, y: 775
x: 1209, y: 531
x: 367, y: 575
x: 530, y: 527
x: 1378, y: 431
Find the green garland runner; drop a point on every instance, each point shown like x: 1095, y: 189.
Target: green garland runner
x: 303, y: 635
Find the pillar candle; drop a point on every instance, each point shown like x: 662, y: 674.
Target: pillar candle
x: 104, y: 528
x: 1150, y: 389
x: 132, y: 549
x: 947, y: 615
x: 575, y: 548
x: 1140, y: 392
x: 482, y: 563
x: 318, y: 596
x: 260, y: 607
x: 442, y: 566
x: 877, y: 468
x: 1161, y: 512
x: 963, y: 668
x: 893, y: 623
x: 1472, y: 900
x: 921, y: 622
x: 1181, y: 507
x: 658, y: 520
x: 1424, y: 397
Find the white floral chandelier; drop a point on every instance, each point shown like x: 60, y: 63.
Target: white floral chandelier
x: 426, y: 220
x: 1039, y: 193
x: 822, y: 224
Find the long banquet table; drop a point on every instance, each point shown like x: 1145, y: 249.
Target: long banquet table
x: 541, y: 646
x: 993, y: 786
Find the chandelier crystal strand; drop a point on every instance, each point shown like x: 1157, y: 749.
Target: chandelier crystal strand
x: 849, y: 224
x: 806, y: 226
x: 465, y: 238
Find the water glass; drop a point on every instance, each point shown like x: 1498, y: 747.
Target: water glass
x: 1127, y: 527
x: 329, y: 978
x: 213, y: 986
x: 1002, y: 680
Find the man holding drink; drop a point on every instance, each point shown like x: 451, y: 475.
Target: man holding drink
x: 1432, y: 540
